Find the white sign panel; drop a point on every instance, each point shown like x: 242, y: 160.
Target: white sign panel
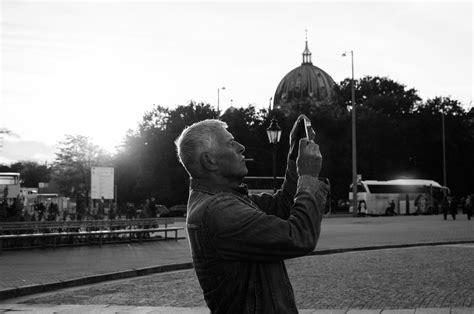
x: 102, y: 183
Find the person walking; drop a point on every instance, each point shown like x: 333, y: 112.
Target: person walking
x: 445, y: 206
x: 454, y: 207
x: 469, y: 206
x: 390, y: 211
x: 362, y: 208
x: 239, y: 241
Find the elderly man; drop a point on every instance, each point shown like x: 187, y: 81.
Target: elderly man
x: 239, y: 241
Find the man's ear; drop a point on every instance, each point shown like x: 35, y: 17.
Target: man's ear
x: 208, y: 162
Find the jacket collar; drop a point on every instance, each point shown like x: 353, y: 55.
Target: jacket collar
x: 211, y: 188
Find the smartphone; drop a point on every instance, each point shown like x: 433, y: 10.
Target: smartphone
x: 307, y: 128
x: 301, y: 132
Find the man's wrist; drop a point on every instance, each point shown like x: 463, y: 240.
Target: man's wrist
x: 308, y: 182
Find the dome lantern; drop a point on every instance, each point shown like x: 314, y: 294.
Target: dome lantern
x: 306, y: 53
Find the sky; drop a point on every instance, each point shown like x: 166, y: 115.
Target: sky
x: 94, y: 68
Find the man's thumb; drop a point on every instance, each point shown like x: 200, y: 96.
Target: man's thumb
x: 303, y: 144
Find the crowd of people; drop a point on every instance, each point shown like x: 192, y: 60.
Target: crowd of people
x: 50, y: 210
x: 16, y: 210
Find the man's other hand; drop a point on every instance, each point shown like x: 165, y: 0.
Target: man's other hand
x: 309, y: 158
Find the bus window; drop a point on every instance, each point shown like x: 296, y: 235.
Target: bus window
x: 396, y: 189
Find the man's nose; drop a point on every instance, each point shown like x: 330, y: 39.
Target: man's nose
x: 241, y: 148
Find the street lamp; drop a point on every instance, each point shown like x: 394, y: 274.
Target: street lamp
x: 444, y: 148
x: 354, y: 142
x: 218, y: 96
x: 274, y: 134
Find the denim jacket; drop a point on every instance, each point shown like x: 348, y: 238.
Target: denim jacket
x: 238, y: 242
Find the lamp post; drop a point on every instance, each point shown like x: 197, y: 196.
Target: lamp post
x: 274, y: 134
x: 354, y: 141
x: 218, y: 96
x: 444, y: 148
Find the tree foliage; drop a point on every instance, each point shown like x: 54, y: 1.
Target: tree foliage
x: 379, y: 94
x: 147, y: 165
x: 31, y: 172
x: 71, y: 170
x: 397, y: 136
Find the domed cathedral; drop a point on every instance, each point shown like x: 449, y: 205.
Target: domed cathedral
x: 305, y: 85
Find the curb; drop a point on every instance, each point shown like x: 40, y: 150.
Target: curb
x: 34, y: 289
x: 388, y: 246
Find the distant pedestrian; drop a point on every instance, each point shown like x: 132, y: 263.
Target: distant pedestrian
x: 469, y: 206
x: 390, y: 211
x: 101, y: 208
x: 454, y: 207
x: 112, y: 212
x: 153, y: 208
x: 41, y: 210
x: 362, y: 208
x: 131, y: 212
x: 53, y: 211
x: 147, y: 209
x: 445, y: 206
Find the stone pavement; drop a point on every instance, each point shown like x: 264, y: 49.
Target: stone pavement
x: 40, y: 267
x: 406, y: 278
x: 112, y: 309
x: 43, y: 266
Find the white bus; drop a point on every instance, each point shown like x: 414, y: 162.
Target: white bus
x: 405, y: 196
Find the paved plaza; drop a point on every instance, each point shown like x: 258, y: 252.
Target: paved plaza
x: 419, y: 278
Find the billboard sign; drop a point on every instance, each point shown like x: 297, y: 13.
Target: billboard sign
x: 102, y: 183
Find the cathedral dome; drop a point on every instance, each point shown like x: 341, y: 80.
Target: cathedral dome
x: 306, y: 84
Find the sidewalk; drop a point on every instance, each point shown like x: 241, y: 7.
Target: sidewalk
x: 46, y: 266
x: 67, y: 267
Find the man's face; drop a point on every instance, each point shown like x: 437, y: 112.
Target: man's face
x: 229, y: 155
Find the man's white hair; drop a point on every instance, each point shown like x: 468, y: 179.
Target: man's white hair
x: 196, y: 139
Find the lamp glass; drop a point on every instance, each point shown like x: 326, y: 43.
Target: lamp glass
x: 274, y: 132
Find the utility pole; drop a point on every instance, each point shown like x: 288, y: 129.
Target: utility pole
x: 354, y: 140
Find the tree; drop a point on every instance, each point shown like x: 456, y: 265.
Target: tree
x: 248, y: 127
x: 31, y: 172
x: 72, y: 166
x: 381, y: 94
x: 147, y: 166
x: 439, y: 105
x: 459, y: 142
x: 397, y: 135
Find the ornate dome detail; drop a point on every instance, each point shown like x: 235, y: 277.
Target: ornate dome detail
x: 306, y: 84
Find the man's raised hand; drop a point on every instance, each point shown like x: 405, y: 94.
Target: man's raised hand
x: 309, y: 158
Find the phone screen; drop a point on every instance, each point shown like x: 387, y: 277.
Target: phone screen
x: 307, y: 127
